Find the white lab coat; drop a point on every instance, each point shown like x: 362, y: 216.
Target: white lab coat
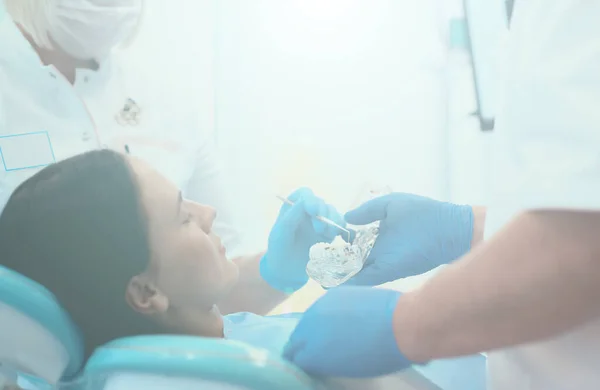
x: 547, y: 155
x: 43, y: 118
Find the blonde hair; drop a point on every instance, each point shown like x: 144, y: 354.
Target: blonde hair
x: 32, y: 17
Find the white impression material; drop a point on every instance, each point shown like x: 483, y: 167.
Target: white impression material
x: 333, y: 264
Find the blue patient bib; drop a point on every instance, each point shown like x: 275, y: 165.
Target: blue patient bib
x: 270, y: 332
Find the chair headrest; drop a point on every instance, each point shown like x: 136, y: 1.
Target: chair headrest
x: 39, y: 304
x: 213, y: 359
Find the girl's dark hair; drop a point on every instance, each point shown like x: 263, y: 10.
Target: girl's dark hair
x: 78, y: 228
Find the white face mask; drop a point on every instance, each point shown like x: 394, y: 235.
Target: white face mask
x: 85, y: 29
x: 89, y: 29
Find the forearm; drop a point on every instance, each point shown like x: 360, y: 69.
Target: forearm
x: 537, y: 278
x: 479, y: 214
x: 251, y: 293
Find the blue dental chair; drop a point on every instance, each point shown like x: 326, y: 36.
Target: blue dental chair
x: 185, y: 362
x: 41, y: 347
x: 37, y: 336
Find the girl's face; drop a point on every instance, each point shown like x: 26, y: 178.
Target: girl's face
x: 188, y: 264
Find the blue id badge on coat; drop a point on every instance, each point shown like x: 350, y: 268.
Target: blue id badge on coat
x: 26, y: 151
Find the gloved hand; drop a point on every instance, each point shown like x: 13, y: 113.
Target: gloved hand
x: 416, y: 235
x: 294, y: 232
x: 348, y: 333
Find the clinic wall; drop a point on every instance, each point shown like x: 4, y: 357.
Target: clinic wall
x: 335, y: 95
x: 469, y: 147
x: 175, y: 40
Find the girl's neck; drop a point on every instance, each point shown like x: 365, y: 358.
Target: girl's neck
x: 205, y: 323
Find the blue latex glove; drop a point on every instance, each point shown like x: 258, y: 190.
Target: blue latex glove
x: 292, y: 235
x: 348, y: 333
x: 416, y: 235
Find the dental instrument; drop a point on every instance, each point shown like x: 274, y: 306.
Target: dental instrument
x: 318, y: 217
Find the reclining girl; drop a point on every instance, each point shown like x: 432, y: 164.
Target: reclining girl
x: 126, y: 254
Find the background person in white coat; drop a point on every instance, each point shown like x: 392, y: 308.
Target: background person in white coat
x: 529, y: 293
x: 67, y: 87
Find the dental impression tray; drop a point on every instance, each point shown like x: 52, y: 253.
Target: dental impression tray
x: 333, y: 264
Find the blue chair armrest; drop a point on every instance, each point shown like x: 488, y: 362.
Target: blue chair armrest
x: 217, y: 360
